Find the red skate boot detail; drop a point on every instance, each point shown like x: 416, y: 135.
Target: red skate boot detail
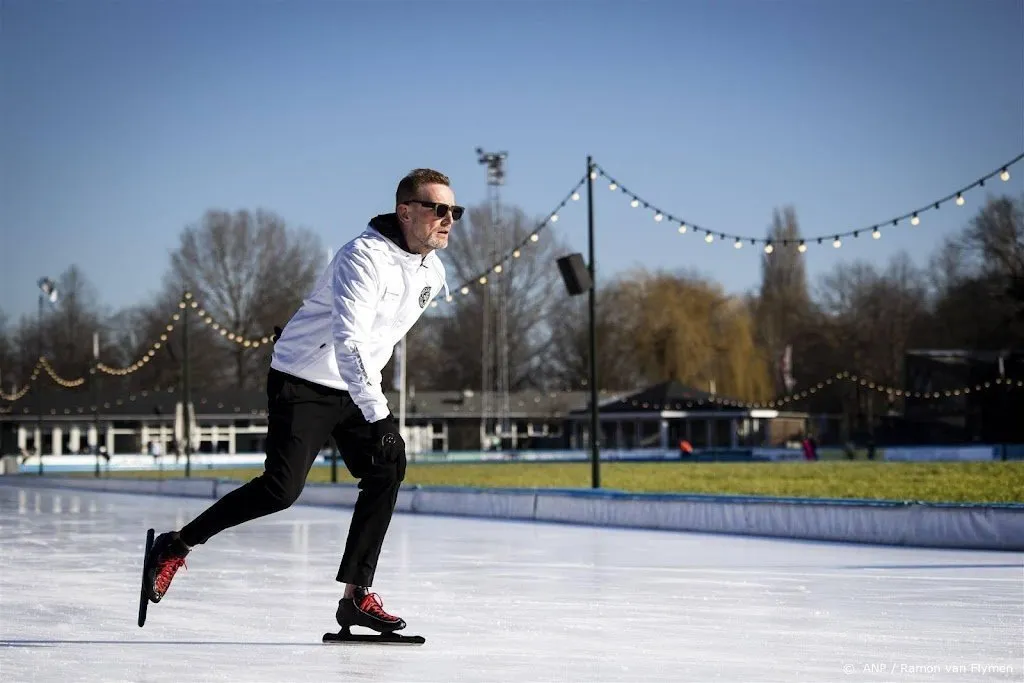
x: 166, y: 558
x: 366, y: 609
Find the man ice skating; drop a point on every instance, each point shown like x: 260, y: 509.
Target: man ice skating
x: 325, y: 380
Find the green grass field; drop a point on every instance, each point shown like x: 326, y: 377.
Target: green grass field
x: 988, y: 482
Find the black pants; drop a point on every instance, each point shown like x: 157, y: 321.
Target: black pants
x: 302, y: 415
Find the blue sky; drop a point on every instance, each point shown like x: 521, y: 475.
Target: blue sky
x: 123, y: 122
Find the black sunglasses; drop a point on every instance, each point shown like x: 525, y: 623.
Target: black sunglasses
x: 440, y: 210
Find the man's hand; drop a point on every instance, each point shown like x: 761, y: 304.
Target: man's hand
x: 388, y: 445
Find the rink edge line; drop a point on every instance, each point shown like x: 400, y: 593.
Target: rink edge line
x: 893, y: 523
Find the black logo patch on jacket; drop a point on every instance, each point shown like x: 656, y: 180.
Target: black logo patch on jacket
x: 424, y: 296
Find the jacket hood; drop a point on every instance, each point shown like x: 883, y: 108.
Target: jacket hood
x: 387, y: 225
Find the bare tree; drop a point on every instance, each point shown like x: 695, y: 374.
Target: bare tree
x: 8, y: 362
x: 874, y: 318
x: 995, y: 237
x: 153, y: 355
x: 68, y: 325
x: 451, y: 340
x: 977, y: 279
x: 569, y: 357
x: 249, y: 272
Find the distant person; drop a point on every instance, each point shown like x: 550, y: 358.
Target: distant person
x: 810, y: 447
x: 325, y: 380
x: 850, y: 449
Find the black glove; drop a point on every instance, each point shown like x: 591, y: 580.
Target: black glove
x: 387, y: 444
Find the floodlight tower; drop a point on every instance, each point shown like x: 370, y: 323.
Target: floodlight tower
x: 495, y: 328
x: 47, y: 292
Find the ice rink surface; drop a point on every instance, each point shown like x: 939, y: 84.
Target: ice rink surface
x: 496, y: 601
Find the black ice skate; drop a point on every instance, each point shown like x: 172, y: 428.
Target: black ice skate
x: 164, y: 557
x: 366, y: 610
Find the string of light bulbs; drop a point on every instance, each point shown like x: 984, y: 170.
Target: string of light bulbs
x: 230, y: 335
x: 24, y: 389
x: 481, y: 278
x: 814, y: 388
x: 132, y: 397
x: 143, y: 359
x: 188, y: 302
x: 532, y: 237
x: 914, y: 216
x: 779, y: 402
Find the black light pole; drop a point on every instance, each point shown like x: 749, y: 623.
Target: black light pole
x: 185, y: 384
x: 186, y: 389
x: 47, y: 290
x: 96, y: 396
x: 595, y: 463
x: 579, y: 278
x: 35, y: 390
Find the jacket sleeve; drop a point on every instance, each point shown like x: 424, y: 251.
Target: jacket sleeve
x: 355, y: 292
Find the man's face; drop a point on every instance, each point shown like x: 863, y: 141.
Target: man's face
x: 424, y: 229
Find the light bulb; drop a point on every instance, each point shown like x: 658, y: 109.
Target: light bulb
x: 497, y: 268
x: 1005, y: 175
x: 635, y: 203
x: 959, y: 199
x: 515, y: 254
x: 682, y: 229
x: 658, y: 216
x: 709, y: 238
x: 612, y: 186
x: 534, y: 237
x: 768, y: 248
x: 483, y: 279
x: 575, y: 196
x: 593, y: 175
x: 838, y: 243
x: 802, y: 248
x: 738, y: 245
x: 554, y: 218
x: 915, y: 220
x: 876, y: 233
x: 464, y: 290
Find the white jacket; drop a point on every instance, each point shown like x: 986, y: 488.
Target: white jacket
x: 369, y: 297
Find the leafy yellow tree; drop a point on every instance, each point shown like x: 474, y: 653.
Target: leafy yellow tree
x: 687, y: 329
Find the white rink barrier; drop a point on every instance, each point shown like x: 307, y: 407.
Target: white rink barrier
x: 918, y: 524
x: 213, y: 461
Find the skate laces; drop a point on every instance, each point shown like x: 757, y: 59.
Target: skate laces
x: 168, y: 568
x: 372, y: 604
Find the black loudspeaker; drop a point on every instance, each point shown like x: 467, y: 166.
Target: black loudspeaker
x: 575, y: 274
x: 8, y: 439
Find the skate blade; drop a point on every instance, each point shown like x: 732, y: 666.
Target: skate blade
x: 345, y: 636
x: 143, y: 598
